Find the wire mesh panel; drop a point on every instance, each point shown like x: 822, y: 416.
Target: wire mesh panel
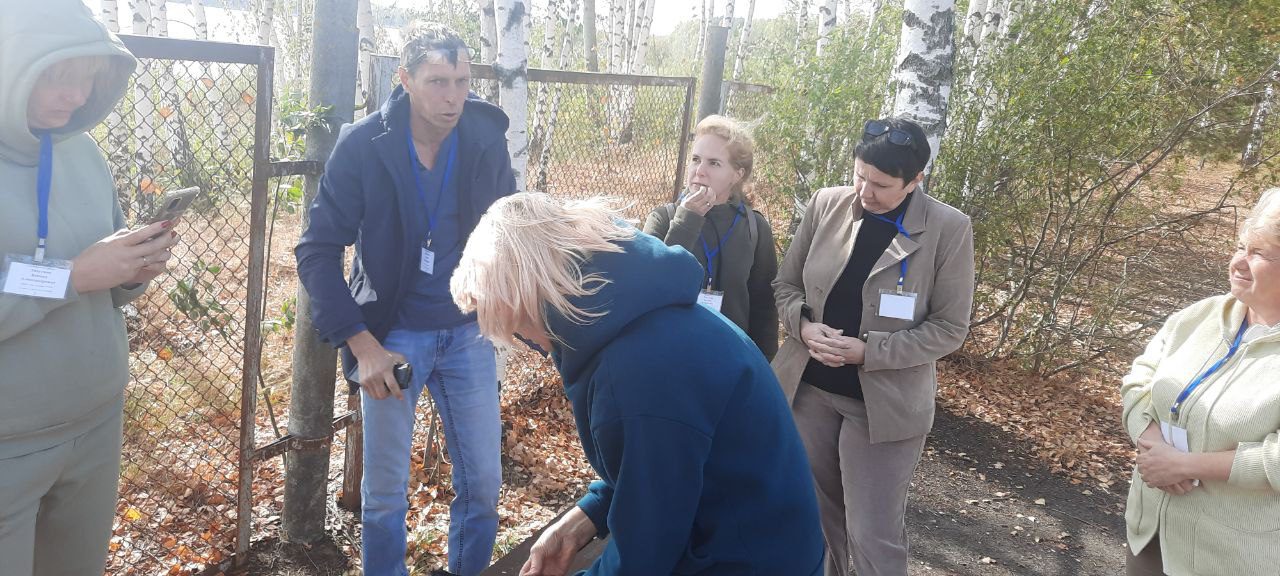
x: 186, y: 120
x: 620, y: 136
x: 592, y: 134
x: 747, y: 102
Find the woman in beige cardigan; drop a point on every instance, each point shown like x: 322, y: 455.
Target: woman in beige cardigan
x: 876, y: 287
x: 1203, y: 407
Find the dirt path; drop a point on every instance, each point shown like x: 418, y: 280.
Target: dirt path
x: 976, y: 508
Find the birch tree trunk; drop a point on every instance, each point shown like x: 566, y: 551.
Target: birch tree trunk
x: 512, y: 70
x: 488, y: 47
x: 643, y: 37
x: 550, y: 41
x: 802, y: 27
x: 701, y: 19
x: 873, y: 26
x: 743, y: 39
x: 630, y: 27
x: 974, y: 22
x: 266, y: 14
x: 202, y: 19
x: 728, y: 15
x: 111, y: 15
x: 617, y: 33
x: 160, y: 18
x: 589, y: 43
x: 826, y: 24
x: 923, y: 68
x: 365, y: 28
x: 141, y: 10
x: 1261, y: 112
x: 548, y: 148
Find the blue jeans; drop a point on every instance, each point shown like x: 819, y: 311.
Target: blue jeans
x: 457, y: 366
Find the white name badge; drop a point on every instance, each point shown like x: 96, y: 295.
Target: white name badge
x: 712, y: 299
x: 23, y: 276
x: 1175, y: 435
x: 900, y: 305
x: 428, y: 261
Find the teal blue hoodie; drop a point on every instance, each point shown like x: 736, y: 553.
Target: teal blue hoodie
x: 702, y: 470
x: 63, y: 363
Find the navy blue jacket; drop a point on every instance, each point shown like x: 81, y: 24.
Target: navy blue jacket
x: 367, y: 198
x: 702, y: 470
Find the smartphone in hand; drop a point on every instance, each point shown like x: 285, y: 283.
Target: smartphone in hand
x: 172, y: 204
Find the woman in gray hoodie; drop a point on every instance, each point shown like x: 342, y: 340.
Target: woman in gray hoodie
x: 67, y: 263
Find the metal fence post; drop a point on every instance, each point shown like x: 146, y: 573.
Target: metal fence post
x: 333, y: 82
x: 713, y: 71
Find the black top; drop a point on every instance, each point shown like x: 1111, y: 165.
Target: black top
x: 844, y: 305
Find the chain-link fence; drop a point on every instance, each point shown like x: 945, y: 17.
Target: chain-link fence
x: 747, y: 102
x: 192, y: 117
x: 592, y: 134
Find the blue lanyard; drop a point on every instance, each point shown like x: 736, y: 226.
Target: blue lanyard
x: 432, y: 213
x: 902, y: 266
x: 44, y: 180
x: 1186, y: 392
x: 711, y: 254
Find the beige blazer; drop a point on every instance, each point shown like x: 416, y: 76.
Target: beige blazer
x: 898, y: 378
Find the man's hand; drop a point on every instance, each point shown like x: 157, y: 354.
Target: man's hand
x: 555, y: 548
x: 377, y: 366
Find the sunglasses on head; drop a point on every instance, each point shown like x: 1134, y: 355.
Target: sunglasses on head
x: 875, y: 129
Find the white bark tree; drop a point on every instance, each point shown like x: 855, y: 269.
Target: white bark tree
x: 591, y: 47
x: 488, y: 32
x: 160, y: 18
x: 141, y: 10
x: 1261, y: 112
x: 743, y: 40
x: 617, y: 33
x: 923, y: 67
x: 701, y: 19
x: 567, y: 19
x: 202, y: 19
x: 826, y: 24
x: 727, y: 20
x: 974, y: 22
x: 641, y: 35
x: 802, y: 29
x: 512, y: 70
x: 111, y: 15
x: 488, y: 46
x: 364, y: 74
x: 266, y: 16
x: 550, y: 41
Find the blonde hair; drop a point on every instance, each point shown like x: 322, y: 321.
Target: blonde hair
x: 739, y: 142
x: 1263, y: 222
x: 526, y: 255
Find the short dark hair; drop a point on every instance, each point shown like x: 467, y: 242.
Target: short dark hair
x: 422, y: 39
x: 905, y: 162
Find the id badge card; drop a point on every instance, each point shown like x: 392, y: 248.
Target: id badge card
x: 21, y: 275
x: 900, y: 305
x: 712, y: 299
x: 1174, y: 435
x: 427, y: 263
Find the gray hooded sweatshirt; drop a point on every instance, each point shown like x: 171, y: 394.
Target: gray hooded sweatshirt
x: 63, y: 363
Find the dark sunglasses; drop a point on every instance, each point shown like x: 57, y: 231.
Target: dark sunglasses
x: 875, y: 129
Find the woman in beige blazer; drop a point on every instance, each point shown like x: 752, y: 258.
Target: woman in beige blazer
x: 876, y: 286
x: 1202, y: 405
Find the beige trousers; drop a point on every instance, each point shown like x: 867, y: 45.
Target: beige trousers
x: 862, y: 487
x: 1147, y: 562
x: 57, y: 505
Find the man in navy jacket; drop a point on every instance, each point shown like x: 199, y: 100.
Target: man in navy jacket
x: 407, y: 185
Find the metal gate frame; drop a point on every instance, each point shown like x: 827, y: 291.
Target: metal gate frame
x: 263, y: 58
